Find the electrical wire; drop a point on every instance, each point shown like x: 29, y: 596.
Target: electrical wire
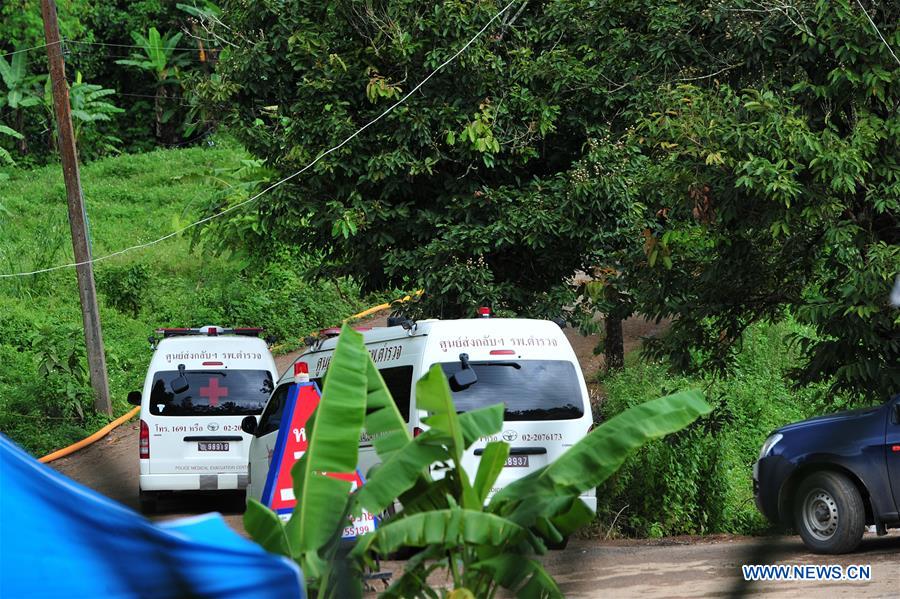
x: 110, y: 45
x: 30, y: 49
x: 281, y: 181
x: 878, y: 31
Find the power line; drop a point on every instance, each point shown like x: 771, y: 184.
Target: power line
x: 878, y: 31
x: 281, y: 181
x: 192, y: 48
x: 30, y: 49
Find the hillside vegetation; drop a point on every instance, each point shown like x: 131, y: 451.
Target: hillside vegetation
x: 698, y: 480
x: 45, y: 398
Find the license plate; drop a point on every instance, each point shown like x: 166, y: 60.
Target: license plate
x: 212, y: 446
x: 516, y: 461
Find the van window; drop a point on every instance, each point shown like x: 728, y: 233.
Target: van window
x: 210, y: 393
x: 271, y: 416
x: 399, y: 383
x: 530, y: 389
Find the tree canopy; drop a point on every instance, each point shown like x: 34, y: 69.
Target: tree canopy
x: 726, y: 161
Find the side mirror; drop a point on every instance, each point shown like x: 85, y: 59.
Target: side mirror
x: 248, y: 424
x: 465, y: 378
x: 180, y: 383
x: 134, y: 398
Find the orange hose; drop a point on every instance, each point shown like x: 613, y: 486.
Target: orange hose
x: 88, y: 440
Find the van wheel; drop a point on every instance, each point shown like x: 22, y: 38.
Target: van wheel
x: 829, y: 513
x: 148, y: 502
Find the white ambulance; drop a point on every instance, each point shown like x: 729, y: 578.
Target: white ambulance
x: 200, y: 384
x: 527, y: 365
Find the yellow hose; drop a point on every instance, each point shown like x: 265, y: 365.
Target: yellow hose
x: 88, y: 440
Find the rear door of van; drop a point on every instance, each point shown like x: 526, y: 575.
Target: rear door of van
x: 546, y: 407
x: 197, y: 430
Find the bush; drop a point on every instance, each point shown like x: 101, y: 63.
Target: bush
x: 702, y: 475
x: 125, y: 287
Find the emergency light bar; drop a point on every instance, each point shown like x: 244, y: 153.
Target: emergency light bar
x: 210, y: 331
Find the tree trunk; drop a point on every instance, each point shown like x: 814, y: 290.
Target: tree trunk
x: 158, y: 109
x: 614, y: 346
x: 20, y: 127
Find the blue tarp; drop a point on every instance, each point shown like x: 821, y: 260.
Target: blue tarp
x: 61, y: 539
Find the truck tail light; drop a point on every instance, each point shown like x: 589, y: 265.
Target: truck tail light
x: 145, y: 441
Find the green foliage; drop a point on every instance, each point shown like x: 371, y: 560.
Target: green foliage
x: 698, y: 481
x: 797, y: 208
x: 5, y: 156
x: 458, y: 194
x: 91, y: 106
x: 725, y: 161
x: 61, y: 365
x: 483, y: 547
x: 159, y: 56
x: 19, y: 82
x: 125, y: 287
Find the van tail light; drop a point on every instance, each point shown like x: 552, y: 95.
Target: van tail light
x: 417, y: 431
x: 145, y: 441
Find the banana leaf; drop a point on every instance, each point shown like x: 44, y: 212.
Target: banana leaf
x: 266, y: 528
x: 433, y: 394
x: 511, y: 570
x: 593, y: 459
x: 333, y: 447
x: 383, y: 420
x: 449, y: 528
x: 411, y: 462
x: 398, y: 474
x: 414, y: 580
x: 489, y: 467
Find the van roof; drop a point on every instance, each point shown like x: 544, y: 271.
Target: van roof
x: 465, y: 326
x: 220, y: 341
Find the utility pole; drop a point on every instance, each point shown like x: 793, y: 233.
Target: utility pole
x: 90, y: 314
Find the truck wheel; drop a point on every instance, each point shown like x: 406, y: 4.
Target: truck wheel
x: 148, y: 501
x: 829, y: 513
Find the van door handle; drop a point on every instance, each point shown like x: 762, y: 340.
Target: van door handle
x: 215, y: 438
x: 520, y: 451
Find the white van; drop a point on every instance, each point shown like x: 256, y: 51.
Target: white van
x: 528, y: 365
x: 200, y: 384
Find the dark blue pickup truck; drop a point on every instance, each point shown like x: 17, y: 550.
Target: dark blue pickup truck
x: 828, y: 477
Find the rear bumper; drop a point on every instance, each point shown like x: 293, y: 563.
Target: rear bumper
x: 192, y: 482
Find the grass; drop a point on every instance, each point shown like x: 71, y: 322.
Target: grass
x: 702, y: 475
x: 130, y: 199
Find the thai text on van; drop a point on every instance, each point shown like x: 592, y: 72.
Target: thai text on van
x: 206, y: 355
x: 476, y: 342
x: 379, y: 354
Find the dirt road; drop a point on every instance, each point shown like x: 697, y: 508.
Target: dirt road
x: 709, y: 567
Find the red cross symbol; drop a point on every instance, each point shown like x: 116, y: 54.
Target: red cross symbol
x: 214, y: 392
